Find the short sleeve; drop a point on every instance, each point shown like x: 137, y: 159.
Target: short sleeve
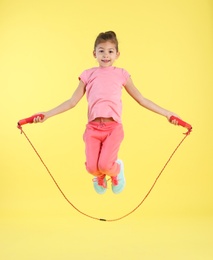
x: 83, y: 77
x: 126, y: 76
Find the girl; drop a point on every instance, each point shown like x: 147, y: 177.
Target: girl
x: 104, y: 131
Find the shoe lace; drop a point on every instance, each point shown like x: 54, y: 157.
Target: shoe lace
x: 114, y: 180
x: 101, y: 181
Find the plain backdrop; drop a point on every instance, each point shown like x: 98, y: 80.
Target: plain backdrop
x: 167, y: 47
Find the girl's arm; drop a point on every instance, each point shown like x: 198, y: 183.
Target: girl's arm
x: 70, y: 103
x: 137, y: 96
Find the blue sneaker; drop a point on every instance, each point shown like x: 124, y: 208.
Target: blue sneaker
x: 100, y: 184
x: 118, y: 182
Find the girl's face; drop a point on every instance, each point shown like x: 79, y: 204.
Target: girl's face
x: 106, y: 54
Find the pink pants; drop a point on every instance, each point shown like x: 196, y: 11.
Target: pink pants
x: 102, y: 141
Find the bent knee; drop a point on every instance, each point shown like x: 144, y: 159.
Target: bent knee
x: 92, y: 169
x: 105, y: 167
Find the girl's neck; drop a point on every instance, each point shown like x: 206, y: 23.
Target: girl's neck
x: 110, y: 67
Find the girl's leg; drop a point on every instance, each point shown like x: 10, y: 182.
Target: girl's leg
x: 93, y: 143
x: 92, y: 150
x: 109, y: 151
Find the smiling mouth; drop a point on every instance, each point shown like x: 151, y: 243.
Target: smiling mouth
x: 105, y: 61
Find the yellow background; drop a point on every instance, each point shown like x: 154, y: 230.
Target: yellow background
x: 167, y: 48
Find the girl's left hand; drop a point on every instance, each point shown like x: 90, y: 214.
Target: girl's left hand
x: 174, y: 121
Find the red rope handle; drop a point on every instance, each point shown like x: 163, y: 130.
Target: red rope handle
x: 28, y: 120
x: 182, y: 123
x: 96, y: 218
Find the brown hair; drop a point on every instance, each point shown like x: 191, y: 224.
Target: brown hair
x: 106, y: 36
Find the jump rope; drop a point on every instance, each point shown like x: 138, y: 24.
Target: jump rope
x: 30, y: 120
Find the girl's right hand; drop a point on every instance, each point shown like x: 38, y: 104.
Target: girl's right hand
x: 39, y: 119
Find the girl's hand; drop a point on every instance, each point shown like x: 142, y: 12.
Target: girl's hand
x: 174, y: 121
x: 39, y: 119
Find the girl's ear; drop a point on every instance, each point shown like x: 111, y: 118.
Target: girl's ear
x: 118, y: 54
x: 94, y: 54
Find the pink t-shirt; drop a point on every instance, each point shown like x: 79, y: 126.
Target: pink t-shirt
x: 103, y: 91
